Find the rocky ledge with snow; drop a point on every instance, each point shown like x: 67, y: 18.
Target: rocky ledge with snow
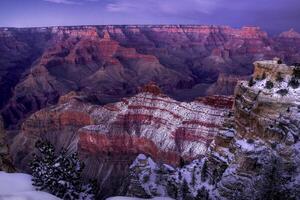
x: 150, y: 145
x: 254, y: 156
x: 108, y: 138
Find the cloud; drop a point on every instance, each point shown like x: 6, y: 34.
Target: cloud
x: 70, y: 2
x: 163, y: 6
x: 62, y: 1
x: 273, y: 16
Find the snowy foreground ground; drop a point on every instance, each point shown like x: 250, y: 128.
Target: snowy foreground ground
x: 130, y: 198
x: 17, y: 186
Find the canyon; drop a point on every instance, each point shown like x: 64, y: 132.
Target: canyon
x: 107, y: 63
x: 150, y: 145
x: 157, y: 110
x: 108, y: 138
x: 254, y: 156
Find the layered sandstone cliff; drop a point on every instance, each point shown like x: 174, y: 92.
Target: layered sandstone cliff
x: 254, y: 156
x: 108, y: 138
x: 111, y: 62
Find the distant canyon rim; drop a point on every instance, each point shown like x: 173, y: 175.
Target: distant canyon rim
x: 107, y: 63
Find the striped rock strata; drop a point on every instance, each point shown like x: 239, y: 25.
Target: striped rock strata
x: 254, y: 156
x: 108, y: 138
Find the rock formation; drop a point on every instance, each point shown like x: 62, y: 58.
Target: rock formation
x: 5, y: 161
x: 225, y: 84
x: 108, y: 138
x: 254, y: 156
x: 39, y: 65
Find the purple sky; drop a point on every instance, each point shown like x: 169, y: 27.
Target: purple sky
x: 272, y: 15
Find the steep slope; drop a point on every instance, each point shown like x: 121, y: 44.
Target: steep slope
x: 5, y: 161
x: 108, y: 138
x: 225, y: 84
x: 254, y: 156
x: 19, y: 48
x: 81, y: 60
x: 110, y: 62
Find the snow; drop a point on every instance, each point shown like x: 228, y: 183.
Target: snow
x: 133, y: 198
x: 260, y: 85
x: 17, y: 186
x: 161, y: 175
x: 245, y: 145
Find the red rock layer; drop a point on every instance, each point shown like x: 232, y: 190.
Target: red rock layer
x: 112, y: 62
x: 108, y: 138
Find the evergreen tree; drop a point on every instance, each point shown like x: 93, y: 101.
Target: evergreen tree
x: 283, y: 92
x: 193, y: 181
x: 204, y: 171
x: 296, y: 72
x: 186, y: 194
x: 269, y: 85
x: 202, y: 194
x: 172, y: 188
x: 294, y: 83
x: 59, y: 174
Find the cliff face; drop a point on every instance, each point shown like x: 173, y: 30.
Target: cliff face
x: 108, y: 138
x: 267, y: 125
x: 5, y: 161
x: 254, y: 156
x: 111, y: 62
x: 225, y: 84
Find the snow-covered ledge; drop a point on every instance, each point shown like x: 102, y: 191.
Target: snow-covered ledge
x: 134, y: 198
x: 17, y: 186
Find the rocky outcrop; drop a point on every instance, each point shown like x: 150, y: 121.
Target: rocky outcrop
x: 111, y: 62
x: 254, y: 156
x: 108, y: 138
x: 267, y: 128
x: 225, y: 84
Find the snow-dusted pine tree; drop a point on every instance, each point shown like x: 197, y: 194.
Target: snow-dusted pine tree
x: 59, y: 174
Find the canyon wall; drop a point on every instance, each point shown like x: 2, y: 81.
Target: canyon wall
x: 108, y: 138
x: 5, y: 160
x: 39, y: 65
x: 254, y: 156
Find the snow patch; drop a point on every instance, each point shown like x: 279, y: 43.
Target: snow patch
x: 245, y: 145
x: 18, y: 186
x: 134, y: 198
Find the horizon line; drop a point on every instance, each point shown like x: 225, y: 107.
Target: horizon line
x: 146, y: 24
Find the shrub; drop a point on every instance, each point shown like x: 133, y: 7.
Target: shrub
x: 296, y: 72
x: 273, y: 145
x: 279, y: 61
x: 250, y: 141
x: 279, y: 77
x: 283, y: 92
x: 294, y: 83
x: 59, y: 174
x: 146, y: 178
x: 269, y: 85
x: 204, y: 172
x: 202, y: 194
x: 251, y: 82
